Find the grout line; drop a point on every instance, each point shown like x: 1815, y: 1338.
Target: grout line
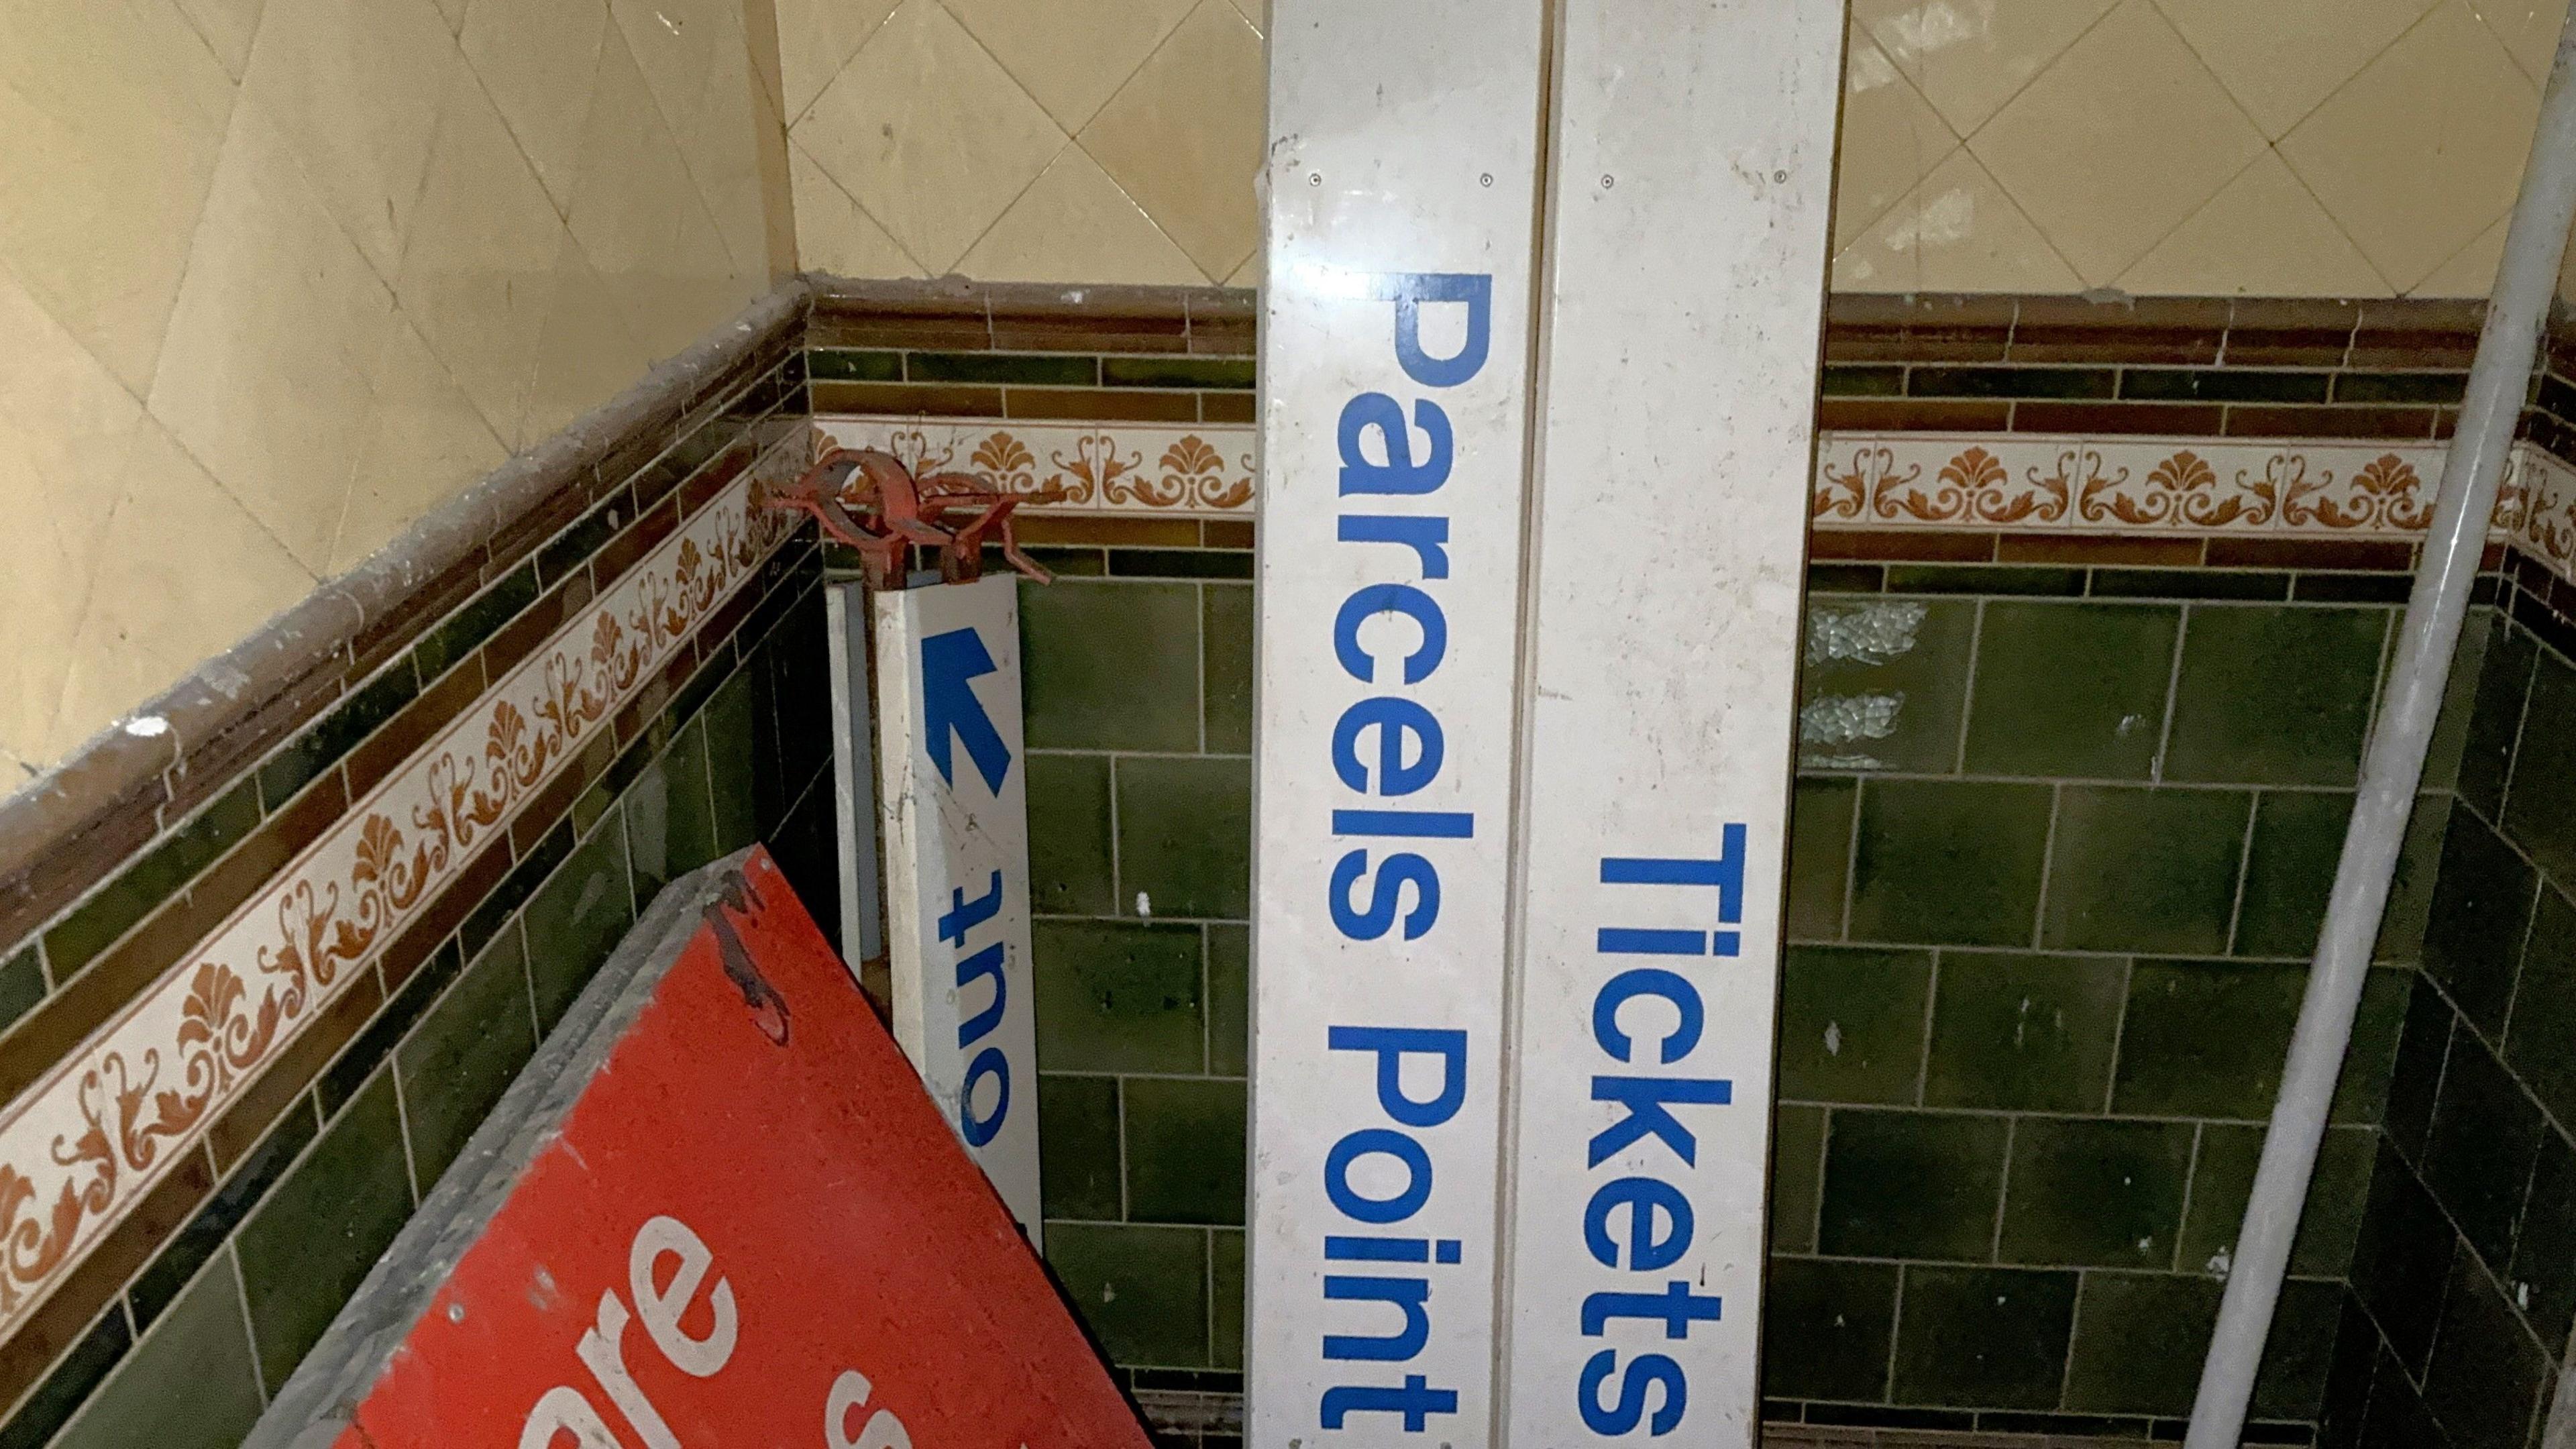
x: 1118, y: 1105
x: 2047, y: 861
x: 2119, y: 1036
x: 2003, y: 1191
x: 1895, y: 1329
x: 2173, y: 693
x: 1968, y: 685
x: 227, y: 1258
x: 1851, y: 859
x: 1923, y: 1058
x: 2074, y: 1327
x: 2244, y: 873
x: 2190, y: 1180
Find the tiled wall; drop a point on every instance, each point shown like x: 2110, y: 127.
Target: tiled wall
x: 2464, y: 1285
x: 278, y: 276
x: 328, y: 1124
x: 2161, y: 147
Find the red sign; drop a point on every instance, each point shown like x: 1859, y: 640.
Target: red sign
x: 751, y: 1229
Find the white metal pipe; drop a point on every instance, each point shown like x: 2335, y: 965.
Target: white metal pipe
x: 2526, y: 282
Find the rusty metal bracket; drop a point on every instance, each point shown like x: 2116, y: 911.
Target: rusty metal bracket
x: 870, y: 501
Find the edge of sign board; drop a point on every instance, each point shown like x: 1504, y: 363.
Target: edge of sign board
x: 320, y: 1398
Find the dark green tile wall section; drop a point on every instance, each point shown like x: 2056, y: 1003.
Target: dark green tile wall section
x: 2463, y: 1287
x: 1140, y: 777
x: 218, y: 1319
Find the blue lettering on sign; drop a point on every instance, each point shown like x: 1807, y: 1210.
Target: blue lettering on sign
x: 1640, y: 1222
x: 964, y: 915
x: 1391, y: 635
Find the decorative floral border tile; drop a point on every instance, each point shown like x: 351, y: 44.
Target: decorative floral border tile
x: 1162, y: 470
x: 2542, y: 491
x: 80, y: 1148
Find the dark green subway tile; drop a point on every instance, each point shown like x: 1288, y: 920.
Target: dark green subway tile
x: 306, y: 1248
x: 1912, y: 1185
x: 2540, y: 805
x: 670, y: 820
x: 2144, y: 869
x: 464, y: 631
x: 1043, y: 369
x: 2222, y: 1179
x: 732, y: 729
x: 1820, y: 825
x: 1851, y: 1023
x: 2221, y: 384
x: 1184, y: 1150
x: 577, y: 918
x: 1234, y: 565
x: 2544, y: 1248
x: 1118, y: 997
x: 1983, y: 1337
x: 1064, y: 563
x: 2289, y: 869
x: 2274, y: 696
x: 1883, y: 683
x: 152, y: 878
x: 571, y: 549
x: 2402, y: 1262
x: 1185, y: 837
x: 2423, y: 1048
x: 464, y: 1055
x: 2400, y: 387
x: 1847, y: 380
x: 1952, y: 863
x: 853, y: 364
x: 504, y: 899
x: 1069, y: 850
x: 2206, y: 1038
x: 1845, y: 578
x: 1078, y: 1146
x: 2095, y: 1194
x: 2544, y: 1008
x: 1225, y: 638
x: 69, y: 1383
x: 1225, y: 1300
x: 1229, y: 999
x: 2460, y: 700
x: 2071, y: 689
x: 322, y: 744
x: 2013, y: 382
x: 2139, y: 1341
x: 1195, y: 372
x: 2489, y: 1376
x: 2056, y: 583
x: 2486, y: 1136
x: 1143, y: 1290
x: 357, y: 1065
x: 2116, y: 583
x: 189, y: 1384
x: 2027, y: 1033
x: 2361, y: 1094
x: 2290, y: 1381
x: 1797, y: 1176
x: 22, y: 985
x: 2340, y: 588
x: 198, y: 1241
x: 2495, y: 717
x: 2481, y: 911
x: 1111, y: 666
x: 1826, y: 1328
x: 2410, y: 893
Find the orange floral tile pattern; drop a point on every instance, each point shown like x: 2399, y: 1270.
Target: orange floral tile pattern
x: 1164, y: 470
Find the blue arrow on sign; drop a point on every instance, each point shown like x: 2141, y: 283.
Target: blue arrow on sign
x: 949, y: 706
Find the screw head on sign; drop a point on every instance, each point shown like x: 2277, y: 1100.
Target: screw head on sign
x: 1485, y: 180
x: 1779, y: 175
x: 1314, y: 178
x: 1607, y: 182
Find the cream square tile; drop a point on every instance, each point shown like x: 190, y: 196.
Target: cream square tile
x: 1256, y: 13
x: 639, y: 215
x: 2262, y: 235
x: 585, y: 353
x: 355, y: 85
x: 267, y: 384
x: 816, y: 38
x: 2422, y: 149
x: 2280, y: 58
x: 1957, y: 232
x: 157, y: 609
x: 1968, y: 57
x: 929, y: 133
x: 2528, y: 28
x: 453, y: 12
x: 477, y: 271
x: 833, y: 234
x: 112, y: 113
x: 1074, y: 225
x: 722, y: 149
x: 1891, y: 138
x: 1249, y: 274
x: 538, y: 62
x: 426, y: 442
x: 1184, y: 136
x: 674, y: 43
x: 2126, y: 135
x: 228, y: 26
x: 1071, y: 55
x: 2471, y: 271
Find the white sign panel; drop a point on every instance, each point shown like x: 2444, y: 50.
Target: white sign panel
x: 956, y: 826
x: 1685, y: 296
x: 854, y: 773
x: 1395, y: 352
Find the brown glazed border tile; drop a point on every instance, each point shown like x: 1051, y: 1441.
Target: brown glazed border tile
x: 1226, y: 533
x: 1092, y: 319
x: 1105, y: 404
x: 2083, y: 549
x: 946, y: 400
x: 1897, y: 414
x: 286, y: 1079
x: 2290, y: 332
x: 1228, y: 407
x: 1076, y: 530
x: 2311, y: 553
x: 1872, y: 545
x: 515, y: 640
x: 2417, y: 333
x: 2186, y: 419
x: 2188, y: 330
x: 2328, y: 421
x: 1866, y: 328
x: 393, y: 741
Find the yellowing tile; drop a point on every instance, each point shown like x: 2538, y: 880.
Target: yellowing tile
x: 639, y: 216
x: 816, y: 38
x: 1956, y: 232
x: 426, y: 442
x: 538, y: 61
x: 355, y: 85
x: 675, y: 42
x: 1971, y: 56
x: 453, y: 12
x: 1891, y: 138
x: 2528, y: 28
x: 2279, y: 58
x: 1074, y: 225
x: 2262, y: 235
x: 1184, y: 136
x: 2471, y: 271
x: 111, y: 117
x: 2423, y: 149
x: 1249, y: 274
x: 722, y: 149
x: 1071, y: 55
x: 1256, y: 13
x: 833, y: 234
x: 2122, y: 138
x: 585, y: 353
x: 228, y: 26
x: 265, y: 382
x: 929, y: 133
x: 477, y: 272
